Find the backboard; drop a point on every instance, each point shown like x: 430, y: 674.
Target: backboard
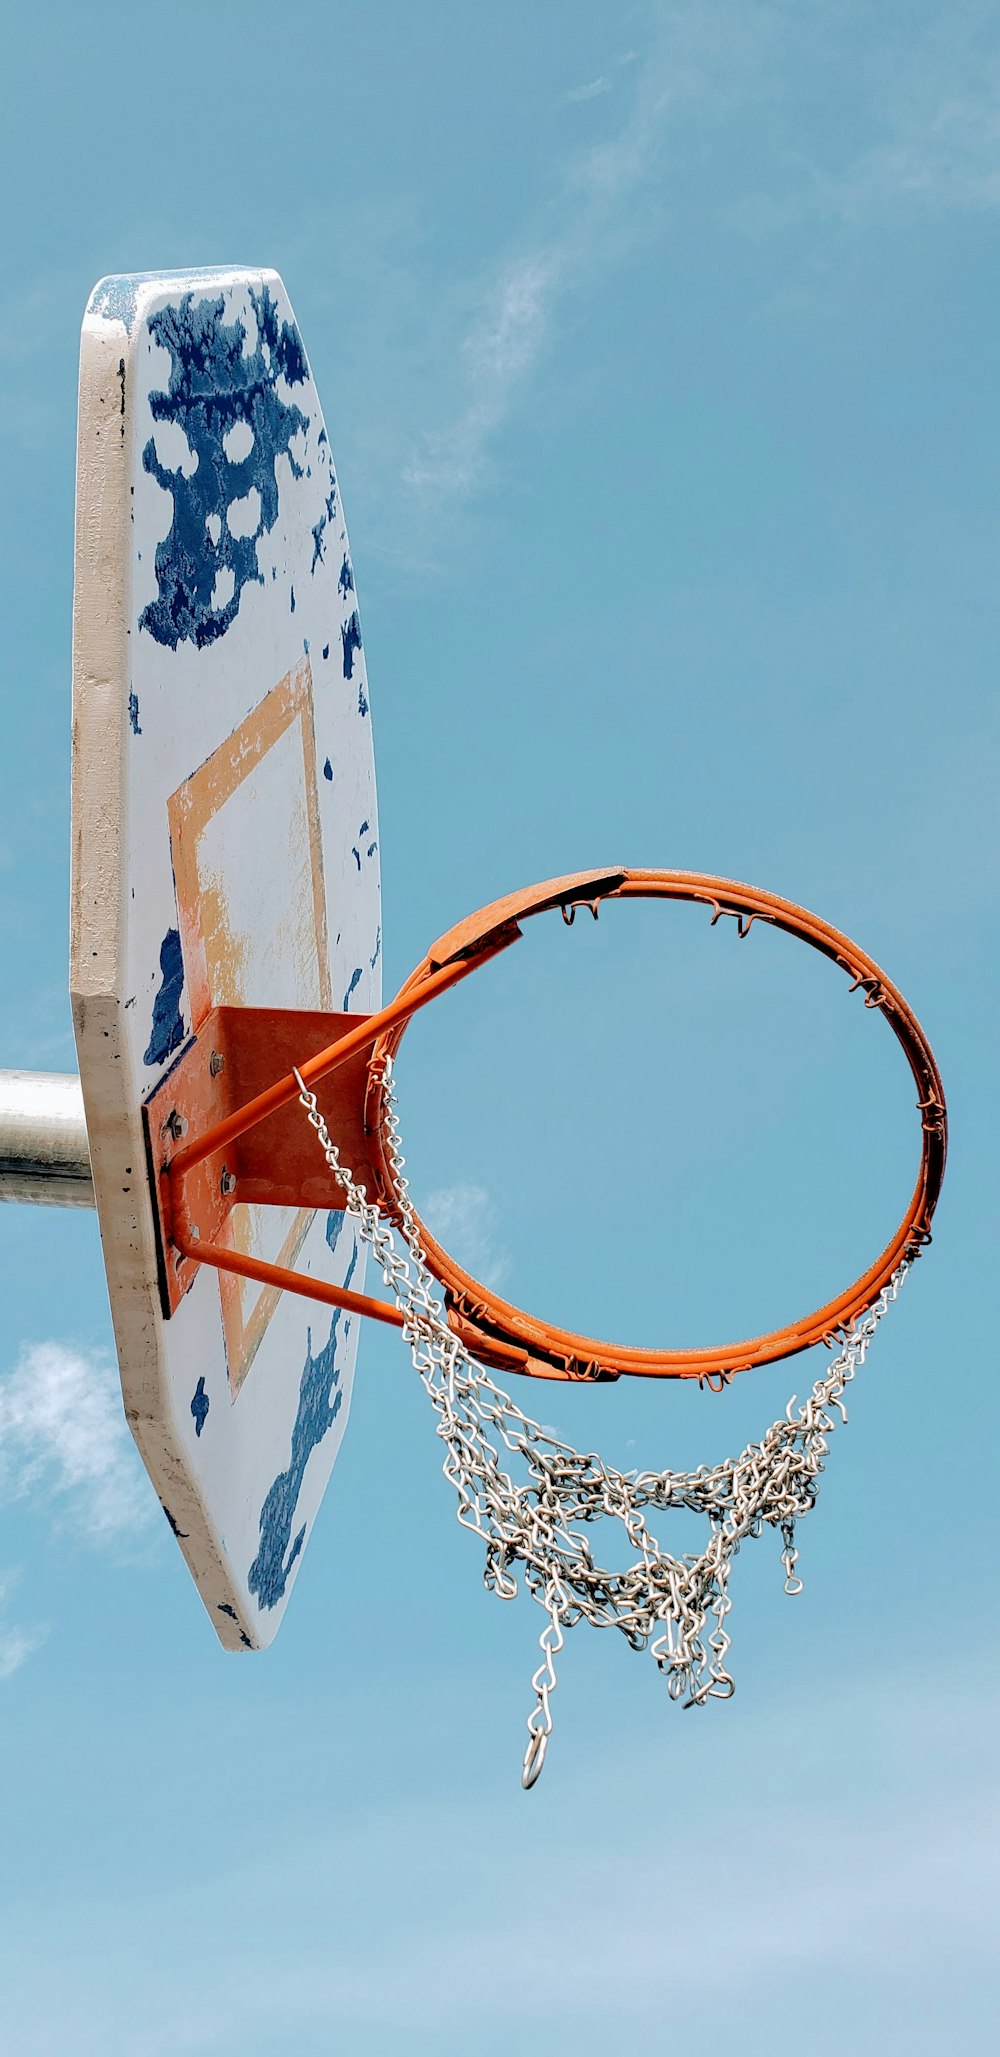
x: 225, y: 853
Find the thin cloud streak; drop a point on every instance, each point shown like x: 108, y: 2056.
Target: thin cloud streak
x: 949, y: 162
x: 497, y: 353
x: 590, y: 92
x: 16, y: 1646
x: 17, y: 1643
x: 513, y: 328
x: 603, y: 84
x: 463, y: 1218
x: 935, y: 149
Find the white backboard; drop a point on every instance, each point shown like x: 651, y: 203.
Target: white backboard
x: 225, y: 851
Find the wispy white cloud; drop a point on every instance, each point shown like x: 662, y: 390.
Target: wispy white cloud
x: 464, y: 1219
x: 16, y: 1641
x: 592, y: 91
x: 604, y: 83
x: 582, y: 233
x: 712, y: 124
x: 942, y: 160
x: 927, y: 137
x: 64, y: 1440
x: 948, y: 163
x: 496, y: 353
x: 16, y: 1645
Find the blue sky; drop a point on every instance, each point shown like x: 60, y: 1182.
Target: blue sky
x: 658, y: 355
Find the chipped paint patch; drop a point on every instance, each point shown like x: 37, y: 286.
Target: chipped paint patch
x: 320, y: 1401
x: 199, y: 1406
x: 350, y: 636
x: 217, y: 386
x: 364, y: 830
x: 168, y: 1023
x: 320, y: 527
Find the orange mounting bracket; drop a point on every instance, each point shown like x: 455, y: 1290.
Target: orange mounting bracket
x: 222, y: 1127
x: 240, y: 1131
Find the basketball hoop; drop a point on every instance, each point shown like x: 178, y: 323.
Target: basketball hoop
x: 353, y: 1071
x: 530, y: 1507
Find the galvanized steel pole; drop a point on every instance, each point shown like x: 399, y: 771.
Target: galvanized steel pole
x: 44, y: 1154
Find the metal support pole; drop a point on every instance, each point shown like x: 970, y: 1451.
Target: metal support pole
x: 44, y: 1153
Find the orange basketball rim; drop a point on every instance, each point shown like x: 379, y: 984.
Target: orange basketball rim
x: 352, y: 1072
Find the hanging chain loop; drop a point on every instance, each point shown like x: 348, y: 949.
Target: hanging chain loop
x: 529, y: 1497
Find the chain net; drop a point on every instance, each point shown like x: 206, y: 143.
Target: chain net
x: 530, y: 1497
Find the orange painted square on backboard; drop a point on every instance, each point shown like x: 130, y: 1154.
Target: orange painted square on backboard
x: 241, y: 947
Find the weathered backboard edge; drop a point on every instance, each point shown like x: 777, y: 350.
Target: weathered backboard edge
x: 100, y: 675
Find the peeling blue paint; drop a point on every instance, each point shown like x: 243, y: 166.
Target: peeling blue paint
x: 293, y: 601
x: 133, y: 713
x: 364, y: 830
x: 378, y: 947
x: 362, y: 698
x: 281, y: 339
x: 346, y: 579
x: 224, y: 1608
x: 320, y: 1401
x: 213, y: 387
x: 168, y: 1024
x: 329, y: 510
x: 350, y: 636
x: 328, y: 770
x: 326, y: 650
x: 199, y: 1406
x: 356, y: 976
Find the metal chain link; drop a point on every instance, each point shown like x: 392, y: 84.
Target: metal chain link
x: 676, y: 1607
